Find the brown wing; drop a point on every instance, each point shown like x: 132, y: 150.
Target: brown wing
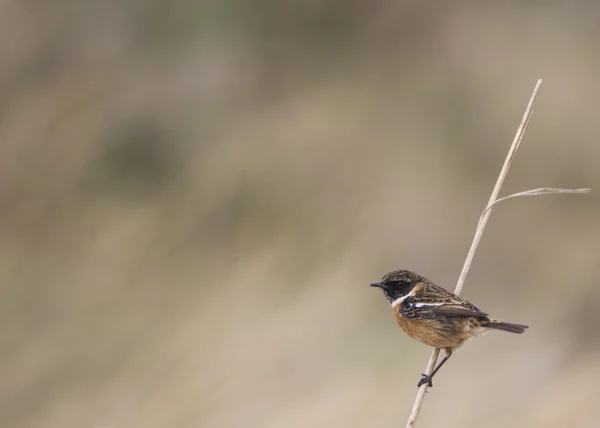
x: 451, y: 311
x: 428, y: 301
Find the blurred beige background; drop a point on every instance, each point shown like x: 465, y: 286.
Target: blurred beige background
x: 195, y: 196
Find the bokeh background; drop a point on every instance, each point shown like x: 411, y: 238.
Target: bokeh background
x: 194, y: 197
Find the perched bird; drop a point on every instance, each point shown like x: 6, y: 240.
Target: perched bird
x: 435, y: 316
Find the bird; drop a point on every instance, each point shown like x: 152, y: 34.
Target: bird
x: 435, y: 316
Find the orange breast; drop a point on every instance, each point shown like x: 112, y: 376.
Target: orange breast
x: 448, y: 333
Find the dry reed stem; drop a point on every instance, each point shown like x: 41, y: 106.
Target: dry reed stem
x: 538, y: 192
x: 412, y: 419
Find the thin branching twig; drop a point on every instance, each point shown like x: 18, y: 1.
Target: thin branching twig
x: 538, y: 192
x: 412, y: 419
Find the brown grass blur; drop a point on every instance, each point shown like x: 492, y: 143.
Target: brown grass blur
x: 196, y: 195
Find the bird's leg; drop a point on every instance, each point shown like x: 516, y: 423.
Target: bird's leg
x: 428, y: 379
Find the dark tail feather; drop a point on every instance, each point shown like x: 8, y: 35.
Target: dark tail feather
x: 506, y: 326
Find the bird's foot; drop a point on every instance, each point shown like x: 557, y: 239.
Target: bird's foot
x: 425, y: 380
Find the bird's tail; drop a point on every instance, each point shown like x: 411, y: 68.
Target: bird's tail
x: 506, y: 326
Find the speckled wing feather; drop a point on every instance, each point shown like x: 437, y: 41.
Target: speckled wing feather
x: 428, y: 301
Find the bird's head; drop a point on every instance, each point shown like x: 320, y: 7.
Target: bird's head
x: 397, y: 283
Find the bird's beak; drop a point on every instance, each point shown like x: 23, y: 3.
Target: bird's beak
x: 378, y: 284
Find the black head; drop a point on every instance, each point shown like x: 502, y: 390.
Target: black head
x: 397, y: 283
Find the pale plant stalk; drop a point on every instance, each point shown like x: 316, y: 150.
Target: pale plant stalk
x: 539, y: 192
x: 414, y: 413
x: 412, y: 419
